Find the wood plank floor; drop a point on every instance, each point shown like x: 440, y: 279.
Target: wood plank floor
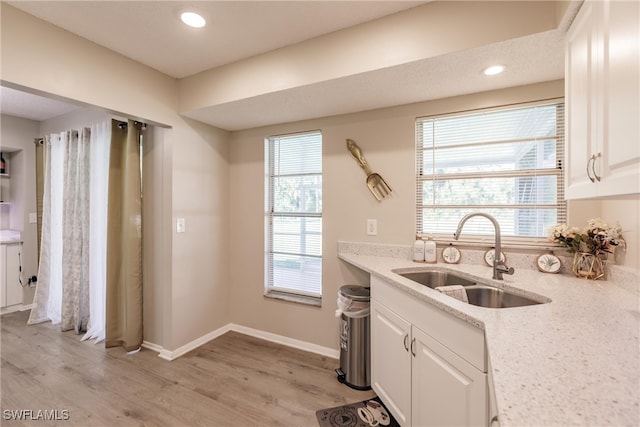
x: 234, y: 380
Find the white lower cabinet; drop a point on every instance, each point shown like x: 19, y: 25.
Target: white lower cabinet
x: 10, y: 289
x: 446, y: 390
x: 420, y: 377
x: 391, y: 361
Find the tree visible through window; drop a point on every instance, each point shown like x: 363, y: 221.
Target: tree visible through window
x: 506, y: 162
x: 294, y: 214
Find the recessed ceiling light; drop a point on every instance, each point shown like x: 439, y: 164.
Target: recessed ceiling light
x: 493, y: 70
x: 192, y: 19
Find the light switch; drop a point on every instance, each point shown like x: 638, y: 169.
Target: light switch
x: 372, y: 227
x: 33, y: 217
x: 180, y: 225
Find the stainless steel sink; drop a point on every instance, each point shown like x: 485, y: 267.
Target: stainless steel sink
x: 436, y: 278
x: 491, y: 297
x: 478, y: 294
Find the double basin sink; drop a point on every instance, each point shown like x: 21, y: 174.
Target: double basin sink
x: 478, y: 294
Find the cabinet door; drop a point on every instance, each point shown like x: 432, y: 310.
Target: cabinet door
x: 620, y: 163
x: 603, y: 100
x: 446, y: 389
x: 13, y: 288
x: 581, y: 92
x: 391, y: 361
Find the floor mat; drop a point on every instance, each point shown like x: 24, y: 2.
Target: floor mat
x: 371, y: 412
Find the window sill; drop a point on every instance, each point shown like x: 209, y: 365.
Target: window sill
x: 532, y: 244
x: 300, y: 299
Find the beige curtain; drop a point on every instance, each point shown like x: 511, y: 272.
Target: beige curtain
x: 39, y: 143
x: 124, y: 239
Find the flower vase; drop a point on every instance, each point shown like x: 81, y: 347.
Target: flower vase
x: 588, y: 266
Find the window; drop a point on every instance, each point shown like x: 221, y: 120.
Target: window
x: 506, y: 162
x: 294, y: 215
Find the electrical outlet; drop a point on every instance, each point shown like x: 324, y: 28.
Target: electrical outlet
x: 372, y: 227
x: 33, y: 218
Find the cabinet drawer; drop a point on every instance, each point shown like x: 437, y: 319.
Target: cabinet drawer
x: 464, y: 339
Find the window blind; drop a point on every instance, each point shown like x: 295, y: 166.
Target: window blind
x: 294, y: 214
x: 507, y: 162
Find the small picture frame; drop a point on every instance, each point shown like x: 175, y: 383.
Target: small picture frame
x: 451, y: 254
x: 490, y: 255
x: 548, y: 263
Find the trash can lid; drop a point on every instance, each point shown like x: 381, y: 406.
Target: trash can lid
x: 356, y: 292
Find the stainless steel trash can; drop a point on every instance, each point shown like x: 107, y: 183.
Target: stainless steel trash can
x: 355, y: 349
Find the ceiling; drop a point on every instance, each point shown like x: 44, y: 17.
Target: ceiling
x: 30, y: 106
x: 151, y: 33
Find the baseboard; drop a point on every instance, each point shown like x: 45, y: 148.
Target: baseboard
x: 153, y: 347
x: 14, y: 308
x: 267, y: 336
x: 170, y: 355
x: 289, y: 342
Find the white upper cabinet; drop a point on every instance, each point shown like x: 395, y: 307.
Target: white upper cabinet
x: 603, y: 100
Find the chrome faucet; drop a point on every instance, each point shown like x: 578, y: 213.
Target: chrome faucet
x: 498, y: 265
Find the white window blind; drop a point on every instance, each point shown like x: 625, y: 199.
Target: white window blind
x: 294, y: 214
x: 506, y: 162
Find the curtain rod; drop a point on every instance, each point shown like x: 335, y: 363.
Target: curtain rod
x: 121, y: 125
x: 140, y: 125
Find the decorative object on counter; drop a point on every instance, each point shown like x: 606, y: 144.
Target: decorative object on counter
x: 590, y: 245
x: 588, y: 266
x: 377, y: 185
x: 548, y: 263
x: 451, y: 254
x: 490, y: 255
x: 430, y: 252
x: 418, y: 249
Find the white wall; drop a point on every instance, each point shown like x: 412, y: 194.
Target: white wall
x: 387, y: 138
x: 192, y: 268
x: 625, y: 211
x: 18, y: 134
x: 213, y: 273
x: 73, y: 120
x: 200, y: 256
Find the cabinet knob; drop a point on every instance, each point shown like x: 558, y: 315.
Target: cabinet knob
x: 406, y: 338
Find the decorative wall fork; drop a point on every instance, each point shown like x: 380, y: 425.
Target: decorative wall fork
x: 377, y: 185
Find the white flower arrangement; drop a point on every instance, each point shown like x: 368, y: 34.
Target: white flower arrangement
x: 597, y: 238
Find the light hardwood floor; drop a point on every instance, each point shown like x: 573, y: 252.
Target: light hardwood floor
x: 234, y: 380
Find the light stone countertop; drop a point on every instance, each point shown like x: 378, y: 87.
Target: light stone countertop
x: 10, y: 236
x: 572, y: 361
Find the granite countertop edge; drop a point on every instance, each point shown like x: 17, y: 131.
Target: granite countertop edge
x: 9, y: 241
x: 572, y: 361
